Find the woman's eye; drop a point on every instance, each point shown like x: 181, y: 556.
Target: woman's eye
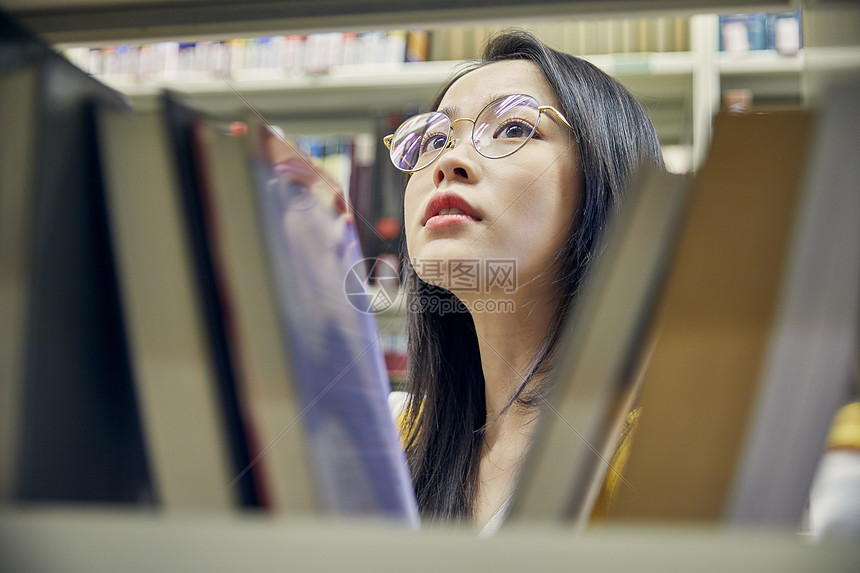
x: 432, y: 142
x: 513, y: 129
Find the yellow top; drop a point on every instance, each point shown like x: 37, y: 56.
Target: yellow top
x: 845, y: 431
x: 612, y: 478
x: 609, y: 488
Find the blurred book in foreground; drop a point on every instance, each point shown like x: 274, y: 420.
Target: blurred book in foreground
x: 733, y: 304
x: 331, y: 340
x: 310, y: 379
x: 68, y: 416
x: 239, y: 307
x: 597, y: 377
x: 757, y: 325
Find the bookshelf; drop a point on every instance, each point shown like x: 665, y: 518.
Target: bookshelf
x: 681, y: 89
x: 116, y: 20
x: 98, y: 541
x: 687, y: 84
x: 107, y: 539
x: 348, y: 90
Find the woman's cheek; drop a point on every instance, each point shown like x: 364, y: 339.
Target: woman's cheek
x: 416, y: 190
x: 409, y: 216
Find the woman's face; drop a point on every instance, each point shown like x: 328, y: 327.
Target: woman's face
x: 522, y: 205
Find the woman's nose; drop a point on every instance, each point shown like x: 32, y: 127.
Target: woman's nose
x: 455, y: 164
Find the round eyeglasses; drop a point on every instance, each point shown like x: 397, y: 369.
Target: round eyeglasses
x: 501, y: 128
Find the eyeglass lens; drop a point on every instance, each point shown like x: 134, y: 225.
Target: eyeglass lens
x: 501, y: 128
x: 419, y: 140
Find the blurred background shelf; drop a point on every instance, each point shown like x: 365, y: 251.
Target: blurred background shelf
x: 348, y: 98
x: 117, y: 20
x: 681, y: 90
x: 760, y: 62
x: 345, y: 92
x: 100, y: 541
x: 681, y: 82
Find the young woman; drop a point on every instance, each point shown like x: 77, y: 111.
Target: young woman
x: 511, y: 179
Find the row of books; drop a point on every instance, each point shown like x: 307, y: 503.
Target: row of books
x: 180, y: 331
x: 374, y: 187
x: 375, y: 199
x: 335, y: 154
x: 292, y: 55
x: 286, y: 55
x: 586, y: 37
x: 374, y: 195
x: 725, y: 309
x: 779, y: 31
x: 180, y: 319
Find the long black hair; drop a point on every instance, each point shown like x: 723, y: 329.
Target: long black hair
x: 446, y: 412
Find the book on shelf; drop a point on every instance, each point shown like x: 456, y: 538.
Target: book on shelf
x: 172, y: 356
x: 599, y: 368
x: 319, y: 277
x: 417, y: 46
x: 264, y: 381
x: 812, y: 358
x: 180, y: 120
x: 360, y: 186
x: 70, y: 427
x: 780, y: 31
x: 740, y: 33
x: 291, y: 55
x: 251, y: 361
x: 17, y: 158
x: 729, y: 304
x: 144, y: 367
x: 756, y: 328
x: 276, y: 56
x: 113, y: 466
x: 714, y: 318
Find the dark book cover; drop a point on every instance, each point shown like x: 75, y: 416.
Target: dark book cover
x: 180, y: 120
x: 79, y: 431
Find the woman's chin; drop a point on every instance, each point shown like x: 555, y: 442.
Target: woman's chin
x: 445, y: 249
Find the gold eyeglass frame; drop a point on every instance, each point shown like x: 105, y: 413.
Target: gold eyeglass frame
x: 451, y: 142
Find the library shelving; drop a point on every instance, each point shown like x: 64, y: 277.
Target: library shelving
x: 682, y: 91
x: 75, y: 540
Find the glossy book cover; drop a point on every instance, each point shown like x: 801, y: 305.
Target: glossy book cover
x: 333, y: 342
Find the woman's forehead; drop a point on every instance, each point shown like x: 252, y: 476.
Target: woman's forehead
x: 470, y: 93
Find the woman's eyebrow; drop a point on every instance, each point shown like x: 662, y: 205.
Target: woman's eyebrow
x: 454, y: 111
x: 451, y: 111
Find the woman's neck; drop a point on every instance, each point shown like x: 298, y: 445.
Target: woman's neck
x: 509, y: 341
x: 510, y: 334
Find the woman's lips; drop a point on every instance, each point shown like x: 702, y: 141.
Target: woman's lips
x: 446, y: 208
x: 444, y: 220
